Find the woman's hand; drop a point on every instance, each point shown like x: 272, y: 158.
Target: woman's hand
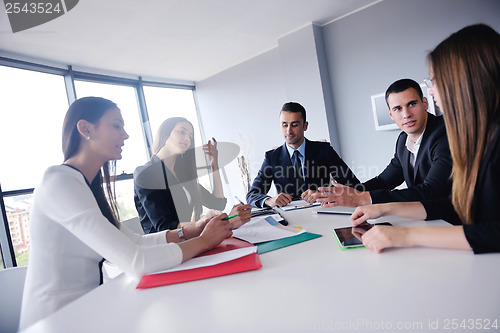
x: 411, y: 210
x: 216, y: 230
x: 381, y: 237
x: 210, y: 149
x: 210, y: 214
x: 244, y: 214
x: 363, y: 213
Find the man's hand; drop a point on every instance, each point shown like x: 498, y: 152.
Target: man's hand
x: 309, y: 196
x: 280, y: 200
x: 341, y: 195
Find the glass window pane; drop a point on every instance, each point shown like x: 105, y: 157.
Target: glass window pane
x: 134, y: 151
x: 32, y: 110
x: 18, y: 210
x: 124, y: 190
x: 165, y: 103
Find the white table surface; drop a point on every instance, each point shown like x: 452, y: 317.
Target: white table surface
x: 310, y: 286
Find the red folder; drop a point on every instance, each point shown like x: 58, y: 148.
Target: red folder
x: 246, y: 263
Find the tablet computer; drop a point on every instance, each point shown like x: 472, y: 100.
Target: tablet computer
x: 348, y: 240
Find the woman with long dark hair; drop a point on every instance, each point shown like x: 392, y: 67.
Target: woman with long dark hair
x: 166, y: 189
x: 465, y: 83
x: 74, y: 220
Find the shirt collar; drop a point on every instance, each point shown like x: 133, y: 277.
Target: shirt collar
x: 301, y: 149
x: 413, y: 146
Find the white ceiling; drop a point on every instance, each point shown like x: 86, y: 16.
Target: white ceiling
x: 180, y: 40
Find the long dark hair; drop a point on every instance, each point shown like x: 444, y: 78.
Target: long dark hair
x: 92, y: 109
x: 185, y: 164
x: 466, y: 69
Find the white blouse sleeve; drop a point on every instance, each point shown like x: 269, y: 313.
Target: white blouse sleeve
x: 69, y: 201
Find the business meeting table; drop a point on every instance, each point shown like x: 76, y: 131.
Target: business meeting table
x: 307, y: 287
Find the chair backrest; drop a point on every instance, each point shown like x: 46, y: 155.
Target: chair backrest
x: 11, y: 295
x: 134, y: 224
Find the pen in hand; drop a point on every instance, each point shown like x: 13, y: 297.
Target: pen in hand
x: 229, y: 217
x: 241, y: 202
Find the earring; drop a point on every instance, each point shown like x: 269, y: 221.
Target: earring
x: 88, y: 138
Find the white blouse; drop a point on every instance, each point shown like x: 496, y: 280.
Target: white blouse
x: 70, y: 236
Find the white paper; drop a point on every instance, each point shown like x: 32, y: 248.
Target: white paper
x: 298, y: 204
x: 259, y: 230
x: 337, y: 210
x: 212, y: 259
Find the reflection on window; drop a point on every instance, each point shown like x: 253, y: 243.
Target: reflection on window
x: 32, y: 110
x: 164, y: 103
x: 134, y: 151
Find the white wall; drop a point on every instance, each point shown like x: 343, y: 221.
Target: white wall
x: 241, y: 105
x: 365, y: 53
x: 370, y: 49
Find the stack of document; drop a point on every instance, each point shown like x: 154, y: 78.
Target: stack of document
x: 299, y: 204
x: 231, y: 256
x: 264, y: 229
x: 269, y: 235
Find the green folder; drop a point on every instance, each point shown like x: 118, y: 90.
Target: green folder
x: 284, y: 242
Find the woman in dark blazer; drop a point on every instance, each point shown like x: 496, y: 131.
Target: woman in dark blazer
x: 465, y: 83
x: 166, y: 189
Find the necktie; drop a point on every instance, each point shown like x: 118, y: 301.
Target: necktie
x: 298, y: 170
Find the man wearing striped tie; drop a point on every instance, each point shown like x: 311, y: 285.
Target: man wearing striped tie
x: 298, y: 167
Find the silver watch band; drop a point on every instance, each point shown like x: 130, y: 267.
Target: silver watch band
x: 180, y: 233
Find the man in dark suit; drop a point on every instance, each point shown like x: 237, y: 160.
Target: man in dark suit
x: 422, y: 158
x: 298, y: 167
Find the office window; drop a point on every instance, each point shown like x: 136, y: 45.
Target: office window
x: 165, y: 103
x: 32, y: 110
x: 134, y: 151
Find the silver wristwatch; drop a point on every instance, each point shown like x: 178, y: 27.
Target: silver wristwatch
x: 180, y: 233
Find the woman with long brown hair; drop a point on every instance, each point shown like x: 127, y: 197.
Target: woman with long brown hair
x: 465, y: 83
x: 74, y: 223
x: 166, y: 189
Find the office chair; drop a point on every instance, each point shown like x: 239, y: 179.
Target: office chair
x: 11, y: 291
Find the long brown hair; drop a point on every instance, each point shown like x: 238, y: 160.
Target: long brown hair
x: 467, y: 75
x: 92, y: 109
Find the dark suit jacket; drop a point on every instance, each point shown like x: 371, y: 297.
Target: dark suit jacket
x: 484, y: 235
x: 161, y: 201
x: 319, y: 161
x: 431, y: 176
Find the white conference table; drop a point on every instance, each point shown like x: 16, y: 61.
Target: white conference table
x: 310, y: 286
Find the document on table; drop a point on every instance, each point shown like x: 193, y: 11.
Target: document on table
x: 266, y: 229
x: 337, y: 210
x: 213, y: 259
x: 299, y: 204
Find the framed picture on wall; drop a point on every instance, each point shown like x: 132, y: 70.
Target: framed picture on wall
x: 383, y: 121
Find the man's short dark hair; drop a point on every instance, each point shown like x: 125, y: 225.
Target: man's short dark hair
x: 402, y: 85
x: 294, y: 107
